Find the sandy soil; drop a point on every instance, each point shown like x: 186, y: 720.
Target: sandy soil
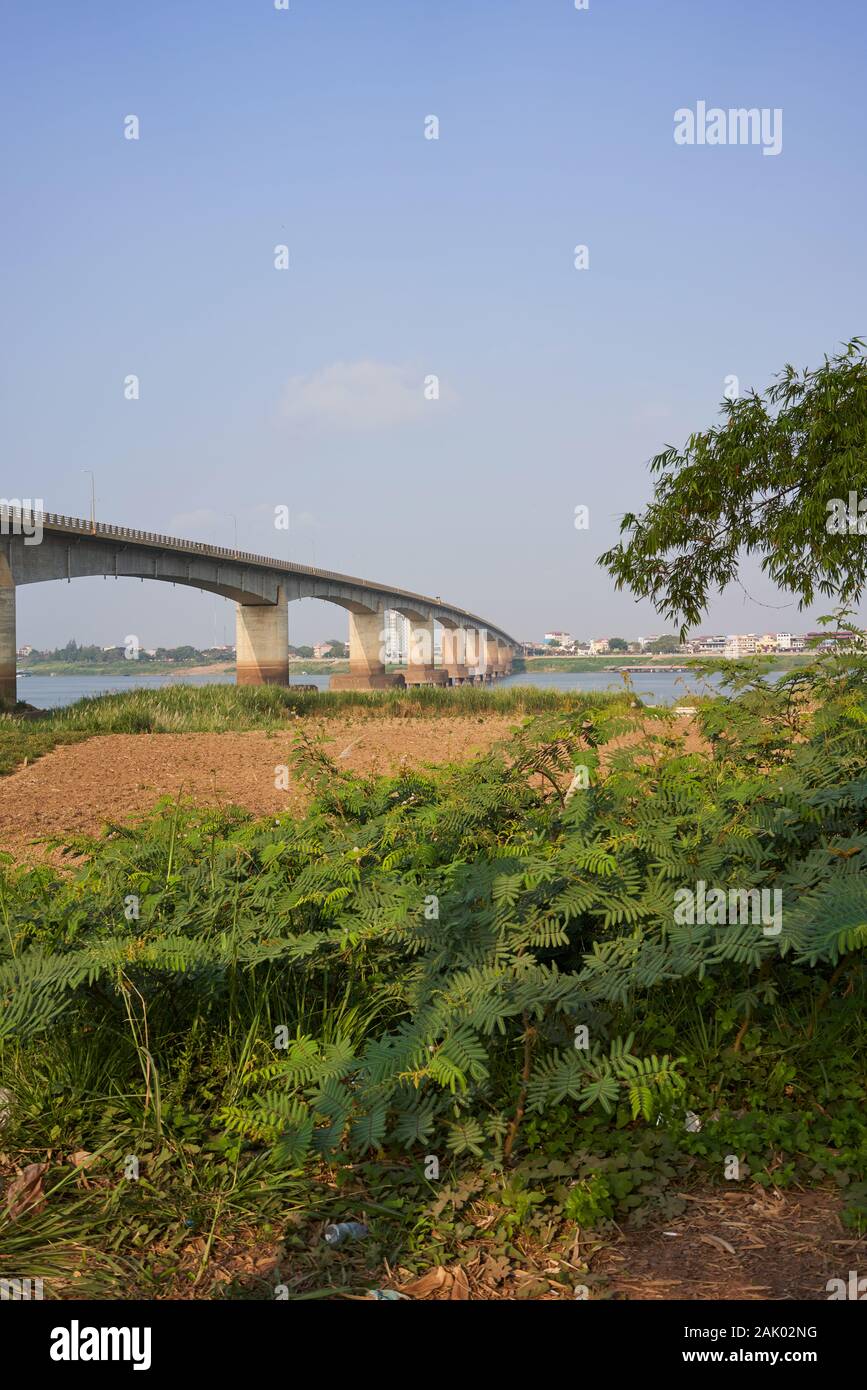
x: 78, y: 787
x: 214, y: 669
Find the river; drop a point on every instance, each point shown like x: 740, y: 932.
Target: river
x: 654, y: 687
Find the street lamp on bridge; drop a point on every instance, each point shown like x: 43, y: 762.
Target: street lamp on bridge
x: 92, y: 499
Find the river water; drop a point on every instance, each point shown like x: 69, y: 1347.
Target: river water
x: 654, y: 687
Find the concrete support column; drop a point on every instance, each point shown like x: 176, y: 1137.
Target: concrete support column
x: 262, y: 637
x: 367, y: 644
x: 454, y: 654
x: 8, y: 649
x: 366, y: 655
x: 504, y: 658
x: 474, y: 645
x: 492, y: 668
x: 420, y: 668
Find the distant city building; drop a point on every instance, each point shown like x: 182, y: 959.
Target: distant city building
x: 322, y: 649
x: 712, y: 645
x: 598, y: 645
x: 740, y: 644
x: 396, y: 638
x: 25, y: 651
x: 560, y: 639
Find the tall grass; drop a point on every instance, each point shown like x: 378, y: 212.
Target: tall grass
x: 220, y: 707
x: 215, y: 708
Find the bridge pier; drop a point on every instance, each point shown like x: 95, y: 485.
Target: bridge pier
x: 262, y: 637
x: 474, y: 655
x: 492, y: 658
x: 420, y: 668
x: 366, y: 651
x: 8, y: 650
x: 454, y: 654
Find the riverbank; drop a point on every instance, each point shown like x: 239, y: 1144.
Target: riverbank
x: 609, y: 661
x: 297, y: 666
x: 121, y: 668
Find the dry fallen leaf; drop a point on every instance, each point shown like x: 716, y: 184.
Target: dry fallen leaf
x: 719, y: 1243
x: 27, y: 1192
x: 432, y: 1282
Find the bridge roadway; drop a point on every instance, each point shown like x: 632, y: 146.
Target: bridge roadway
x: 37, y: 546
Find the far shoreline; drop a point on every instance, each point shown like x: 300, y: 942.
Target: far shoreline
x: 299, y: 666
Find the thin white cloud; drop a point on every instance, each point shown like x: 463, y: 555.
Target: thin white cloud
x: 356, y: 396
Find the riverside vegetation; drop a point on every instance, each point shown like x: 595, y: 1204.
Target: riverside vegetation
x: 284, y: 1021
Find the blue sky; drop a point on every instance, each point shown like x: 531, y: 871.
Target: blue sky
x: 408, y: 257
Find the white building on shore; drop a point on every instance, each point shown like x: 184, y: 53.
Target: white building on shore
x: 740, y: 644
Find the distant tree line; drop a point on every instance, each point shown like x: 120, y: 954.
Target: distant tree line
x: 95, y: 655
x: 185, y: 655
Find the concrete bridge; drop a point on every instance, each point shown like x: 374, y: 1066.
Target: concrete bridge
x: 39, y: 546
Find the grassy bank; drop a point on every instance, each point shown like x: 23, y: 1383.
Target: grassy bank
x: 116, y: 668
x: 167, y: 668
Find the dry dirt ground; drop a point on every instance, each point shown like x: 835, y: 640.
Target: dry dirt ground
x: 77, y: 787
x: 760, y: 1244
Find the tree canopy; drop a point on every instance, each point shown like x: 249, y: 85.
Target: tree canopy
x: 774, y: 480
